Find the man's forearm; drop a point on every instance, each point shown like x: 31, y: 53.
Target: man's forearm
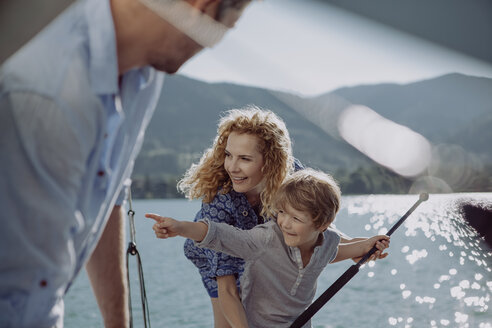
x: 107, y: 272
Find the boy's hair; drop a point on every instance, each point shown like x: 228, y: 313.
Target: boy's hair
x: 204, y: 179
x: 311, y: 191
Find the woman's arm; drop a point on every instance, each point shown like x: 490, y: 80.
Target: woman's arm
x: 359, y: 248
x: 230, y: 303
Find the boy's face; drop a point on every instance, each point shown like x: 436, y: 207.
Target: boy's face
x: 298, y: 228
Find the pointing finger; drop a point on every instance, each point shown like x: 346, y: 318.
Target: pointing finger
x: 152, y: 216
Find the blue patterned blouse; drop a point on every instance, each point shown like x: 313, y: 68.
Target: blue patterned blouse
x: 232, y: 208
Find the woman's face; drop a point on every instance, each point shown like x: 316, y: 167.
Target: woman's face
x: 243, y: 162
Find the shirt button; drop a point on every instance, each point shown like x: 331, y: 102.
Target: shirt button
x: 105, y: 135
x: 43, y: 283
x: 100, y: 173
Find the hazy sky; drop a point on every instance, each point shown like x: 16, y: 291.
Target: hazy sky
x: 309, y: 49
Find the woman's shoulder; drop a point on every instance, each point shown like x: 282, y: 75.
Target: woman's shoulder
x: 232, y: 198
x: 229, y: 198
x: 221, y: 201
x: 224, y: 204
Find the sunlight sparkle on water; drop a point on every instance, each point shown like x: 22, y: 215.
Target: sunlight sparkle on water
x: 460, y: 317
x: 425, y: 299
x: 457, y: 292
x: 416, y: 255
x: 444, y: 278
x: 435, y: 242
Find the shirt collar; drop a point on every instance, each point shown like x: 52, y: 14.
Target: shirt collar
x: 103, y: 60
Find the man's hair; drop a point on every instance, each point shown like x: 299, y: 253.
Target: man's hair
x: 204, y: 179
x: 310, y: 191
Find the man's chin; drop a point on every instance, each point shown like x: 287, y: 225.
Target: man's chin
x: 166, y: 68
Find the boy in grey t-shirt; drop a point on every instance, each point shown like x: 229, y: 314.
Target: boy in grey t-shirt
x: 284, y: 257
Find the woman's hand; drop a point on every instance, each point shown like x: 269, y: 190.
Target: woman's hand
x: 164, y: 227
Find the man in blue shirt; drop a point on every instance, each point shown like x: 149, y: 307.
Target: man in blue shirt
x: 74, y: 105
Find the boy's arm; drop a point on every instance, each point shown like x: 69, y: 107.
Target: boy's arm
x: 165, y: 227
x: 222, y: 237
x: 379, y: 255
x: 359, y: 248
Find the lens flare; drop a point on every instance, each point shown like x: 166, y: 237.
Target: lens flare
x: 384, y: 141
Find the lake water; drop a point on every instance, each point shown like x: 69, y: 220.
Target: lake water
x: 438, y: 274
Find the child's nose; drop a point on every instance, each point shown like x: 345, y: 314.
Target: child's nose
x: 286, y: 222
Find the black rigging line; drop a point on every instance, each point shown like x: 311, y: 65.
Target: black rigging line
x: 132, y: 250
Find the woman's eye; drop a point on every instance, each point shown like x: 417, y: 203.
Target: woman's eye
x: 280, y: 211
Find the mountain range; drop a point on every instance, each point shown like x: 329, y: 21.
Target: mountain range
x: 453, y: 112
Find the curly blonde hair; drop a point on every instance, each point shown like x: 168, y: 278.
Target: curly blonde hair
x: 205, y: 179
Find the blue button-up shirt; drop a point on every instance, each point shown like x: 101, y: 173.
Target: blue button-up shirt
x: 69, y: 135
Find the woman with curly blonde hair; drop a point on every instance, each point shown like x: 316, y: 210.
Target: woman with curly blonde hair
x: 236, y: 179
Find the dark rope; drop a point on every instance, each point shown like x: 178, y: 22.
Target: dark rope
x: 132, y: 250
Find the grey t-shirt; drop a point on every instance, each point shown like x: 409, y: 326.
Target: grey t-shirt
x: 275, y: 287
